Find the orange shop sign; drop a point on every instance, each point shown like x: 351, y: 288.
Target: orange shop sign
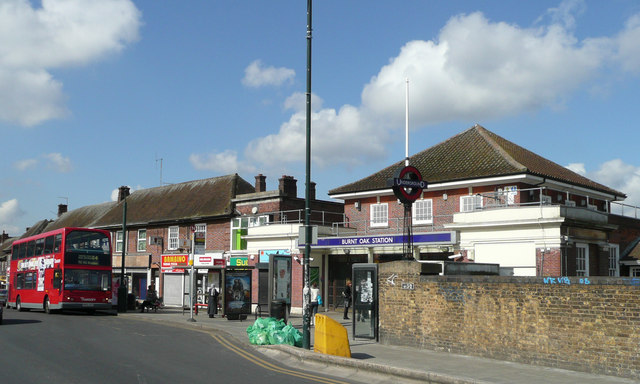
x: 175, y: 261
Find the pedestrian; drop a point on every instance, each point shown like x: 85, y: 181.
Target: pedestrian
x: 212, y: 307
x: 347, y: 299
x: 313, y: 307
x: 151, y: 300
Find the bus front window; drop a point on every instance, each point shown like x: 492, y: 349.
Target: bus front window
x: 87, y: 280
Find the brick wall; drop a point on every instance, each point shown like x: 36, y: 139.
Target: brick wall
x: 584, y: 324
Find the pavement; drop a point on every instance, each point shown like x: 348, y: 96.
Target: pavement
x: 386, y: 362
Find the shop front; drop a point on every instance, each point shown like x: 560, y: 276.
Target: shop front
x: 176, y: 278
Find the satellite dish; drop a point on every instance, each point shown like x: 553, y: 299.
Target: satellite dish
x: 254, y: 210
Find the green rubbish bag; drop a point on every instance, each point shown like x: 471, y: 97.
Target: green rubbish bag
x: 259, y: 338
x: 271, y: 331
x: 292, y: 336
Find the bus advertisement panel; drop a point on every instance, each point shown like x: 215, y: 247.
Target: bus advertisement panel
x: 68, y: 268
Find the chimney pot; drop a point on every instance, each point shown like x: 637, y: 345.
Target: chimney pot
x: 287, y: 186
x: 62, y: 209
x: 261, y: 183
x: 123, y: 192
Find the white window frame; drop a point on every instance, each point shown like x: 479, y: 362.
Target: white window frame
x: 379, y: 215
x: 174, y: 237
x: 470, y: 203
x: 142, y: 240
x: 237, y: 224
x: 634, y: 271
x: 582, y: 260
x: 423, y: 211
x: 614, y: 260
x: 257, y: 221
x: 119, y: 241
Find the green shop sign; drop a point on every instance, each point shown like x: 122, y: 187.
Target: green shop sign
x: 239, y: 261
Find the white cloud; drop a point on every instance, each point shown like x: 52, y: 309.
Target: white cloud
x: 23, y: 165
x: 615, y: 174
x: 565, y: 13
x: 59, y: 34
x: 53, y: 161
x: 620, y: 176
x: 257, y: 75
x: 577, y: 168
x: 9, y: 212
x: 298, y: 102
x: 58, y: 163
x: 627, y: 43
x: 475, y: 70
x: 225, y: 162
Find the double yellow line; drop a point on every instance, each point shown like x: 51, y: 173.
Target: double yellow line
x: 272, y: 367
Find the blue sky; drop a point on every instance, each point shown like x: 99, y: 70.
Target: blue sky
x: 93, y: 93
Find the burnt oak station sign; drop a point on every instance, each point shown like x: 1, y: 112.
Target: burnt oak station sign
x: 407, y: 184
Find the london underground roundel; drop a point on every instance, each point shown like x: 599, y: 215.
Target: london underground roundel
x: 408, y: 184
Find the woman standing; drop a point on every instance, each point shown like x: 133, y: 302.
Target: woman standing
x: 313, y: 307
x: 347, y: 299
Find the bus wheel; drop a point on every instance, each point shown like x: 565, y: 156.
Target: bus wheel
x: 47, y: 306
x: 19, y: 304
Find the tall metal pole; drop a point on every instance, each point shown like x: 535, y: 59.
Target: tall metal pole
x: 122, y: 289
x: 406, y: 124
x: 306, y: 335
x: 191, y: 282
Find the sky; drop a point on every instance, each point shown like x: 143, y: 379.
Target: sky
x: 96, y: 94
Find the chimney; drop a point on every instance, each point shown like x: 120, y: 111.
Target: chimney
x: 4, y: 237
x: 261, y: 183
x: 312, y: 191
x: 123, y: 192
x: 62, y: 209
x: 287, y: 186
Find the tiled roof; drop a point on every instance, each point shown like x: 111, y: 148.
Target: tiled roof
x: 83, y: 217
x: 191, y: 200
x: 35, y: 229
x: 472, y: 154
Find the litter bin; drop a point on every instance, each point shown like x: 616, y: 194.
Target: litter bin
x: 278, y: 310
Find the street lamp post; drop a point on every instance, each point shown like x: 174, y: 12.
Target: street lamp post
x: 122, y: 289
x: 306, y: 335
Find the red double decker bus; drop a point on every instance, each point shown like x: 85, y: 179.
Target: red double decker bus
x: 68, y: 268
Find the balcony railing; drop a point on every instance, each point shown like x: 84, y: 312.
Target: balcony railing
x: 625, y: 209
x: 296, y: 216
x: 394, y: 225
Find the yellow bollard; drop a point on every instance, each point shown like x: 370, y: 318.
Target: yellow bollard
x: 330, y: 337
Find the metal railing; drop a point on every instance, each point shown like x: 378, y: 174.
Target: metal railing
x: 296, y: 216
x: 621, y: 209
x: 394, y: 225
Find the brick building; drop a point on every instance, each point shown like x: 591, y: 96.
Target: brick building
x: 488, y: 200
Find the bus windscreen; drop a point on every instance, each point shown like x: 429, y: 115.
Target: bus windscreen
x: 87, y: 280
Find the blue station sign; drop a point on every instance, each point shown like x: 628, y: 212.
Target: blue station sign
x: 381, y: 240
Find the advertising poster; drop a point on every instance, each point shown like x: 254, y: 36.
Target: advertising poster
x: 365, y: 301
x: 282, y: 279
x: 237, y: 292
